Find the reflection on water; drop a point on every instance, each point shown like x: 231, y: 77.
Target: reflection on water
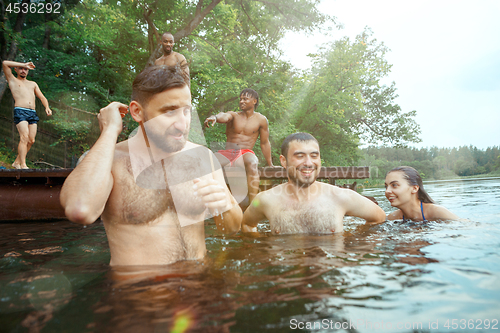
x: 400, y: 277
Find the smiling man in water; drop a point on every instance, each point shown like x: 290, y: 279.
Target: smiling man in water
x: 154, y: 190
x: 304, y: 205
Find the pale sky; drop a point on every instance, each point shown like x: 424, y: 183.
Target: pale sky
x: 445, y: 57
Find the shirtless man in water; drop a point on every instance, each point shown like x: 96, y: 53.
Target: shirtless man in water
x: 24, y: 92
x: 304, y: 205
x: 242, y: 131
x: 154, y: 190
x: 170, y: 57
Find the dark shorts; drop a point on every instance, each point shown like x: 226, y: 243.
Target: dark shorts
x: 24, y: 114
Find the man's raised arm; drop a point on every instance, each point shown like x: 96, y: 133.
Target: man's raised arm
x: 7, y: 65
x: 86, y: 190
x: 222, y: 117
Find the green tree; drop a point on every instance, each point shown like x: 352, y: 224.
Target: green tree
x: 346, y: 102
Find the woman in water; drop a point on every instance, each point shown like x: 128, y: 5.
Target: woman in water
x: 404, y: 190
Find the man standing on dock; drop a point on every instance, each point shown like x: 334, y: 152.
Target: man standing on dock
x: 24, y: 92
x: 242, y: 131
x: 304, y: 205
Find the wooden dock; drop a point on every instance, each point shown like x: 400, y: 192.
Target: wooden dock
x: 33, y: 194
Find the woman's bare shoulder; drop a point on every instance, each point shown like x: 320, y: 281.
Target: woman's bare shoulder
x: 437, y: 212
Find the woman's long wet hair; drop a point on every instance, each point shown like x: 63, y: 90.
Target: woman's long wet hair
x: 413, y: 178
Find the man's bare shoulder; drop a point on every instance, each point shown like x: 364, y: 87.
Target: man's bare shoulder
x: 179, y: 57
x: 122, y: 150
x: 337, y: 193
x: 262, y: 119
x: 274, y: 195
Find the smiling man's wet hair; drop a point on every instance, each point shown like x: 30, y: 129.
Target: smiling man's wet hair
x: 156, y: 79
x: 300, y: 136
x: 252, y: 93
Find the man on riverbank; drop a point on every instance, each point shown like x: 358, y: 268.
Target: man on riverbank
x: 243, y: 128
x: 170, y: 57
x: 154, y: 190
x: 24, y: 92
x: 304, y: 205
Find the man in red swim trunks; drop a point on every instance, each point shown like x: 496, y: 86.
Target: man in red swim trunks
x: 242, y: 131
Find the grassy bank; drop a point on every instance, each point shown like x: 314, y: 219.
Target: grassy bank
x: 8, y: 156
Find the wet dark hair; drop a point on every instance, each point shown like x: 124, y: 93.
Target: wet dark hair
x: 252, y: 93
x: 156, y: 79
x: 413, y: 178
x: 299, y: 136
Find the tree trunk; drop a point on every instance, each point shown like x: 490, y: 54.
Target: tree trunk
x: 3, y: 41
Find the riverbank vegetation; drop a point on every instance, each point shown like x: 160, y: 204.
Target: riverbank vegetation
x: 432, y: 163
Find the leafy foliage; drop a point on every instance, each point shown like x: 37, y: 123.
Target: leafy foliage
x: 88, y: 56
x: 74, y: 132
x: 345, y: 102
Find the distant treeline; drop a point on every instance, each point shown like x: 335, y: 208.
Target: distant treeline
x: 433, y: 163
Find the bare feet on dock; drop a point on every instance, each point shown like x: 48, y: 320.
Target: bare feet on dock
x: 18, y: 166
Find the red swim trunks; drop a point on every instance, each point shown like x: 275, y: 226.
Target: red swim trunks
x: 233, y: 154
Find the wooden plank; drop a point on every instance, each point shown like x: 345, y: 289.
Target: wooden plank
x: 34, y: 173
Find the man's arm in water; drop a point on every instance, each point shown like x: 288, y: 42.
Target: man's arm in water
x: 359, y: 206
x: 222, y: 117
x: 265, y: 145
x: 253, y: 215
x: 87, y: 188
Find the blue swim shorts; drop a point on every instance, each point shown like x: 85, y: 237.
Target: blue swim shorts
x: 24, y: 114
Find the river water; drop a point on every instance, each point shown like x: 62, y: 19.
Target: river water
x: 394, y: 277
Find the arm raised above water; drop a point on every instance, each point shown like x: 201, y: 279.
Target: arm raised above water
x: 87, y: 189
